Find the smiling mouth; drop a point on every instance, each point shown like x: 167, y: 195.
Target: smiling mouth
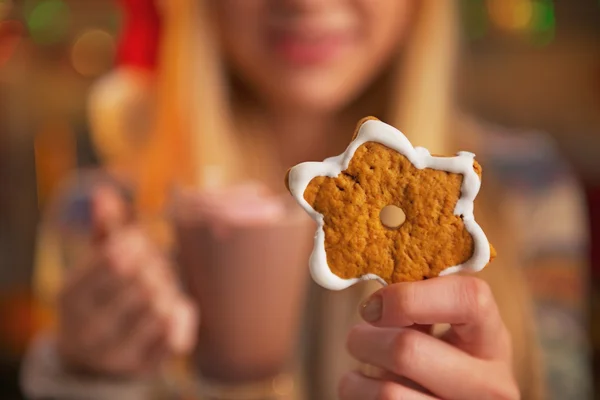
x: 305, y: 48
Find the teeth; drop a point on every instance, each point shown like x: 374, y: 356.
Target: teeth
x: 306, y: 25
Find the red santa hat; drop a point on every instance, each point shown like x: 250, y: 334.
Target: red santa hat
x: 139, y: 41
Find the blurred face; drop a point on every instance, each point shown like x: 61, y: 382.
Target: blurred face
x: 312, y: 55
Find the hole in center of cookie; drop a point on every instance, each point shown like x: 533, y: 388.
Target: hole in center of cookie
x: 392, y: 216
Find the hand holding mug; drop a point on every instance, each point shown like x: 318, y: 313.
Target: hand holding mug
x: 122, y: 313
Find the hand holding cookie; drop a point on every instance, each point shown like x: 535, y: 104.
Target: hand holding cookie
x: 470, y: 361
x: 393, y: 212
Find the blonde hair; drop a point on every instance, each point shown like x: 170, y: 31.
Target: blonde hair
x: 195, y: 118
x: 423, y: 83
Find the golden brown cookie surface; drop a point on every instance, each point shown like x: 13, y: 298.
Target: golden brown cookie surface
x: 427, y: 239
x: 356, y: 242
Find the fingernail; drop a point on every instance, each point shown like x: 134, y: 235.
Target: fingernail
x: 371, y: 309
x: 371, y: 371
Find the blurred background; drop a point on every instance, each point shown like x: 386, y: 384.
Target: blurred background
x: 528, y: 66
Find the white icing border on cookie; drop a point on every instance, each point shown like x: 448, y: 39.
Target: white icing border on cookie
x: 380, y: 132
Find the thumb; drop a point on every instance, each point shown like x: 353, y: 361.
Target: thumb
x: 184, y: 325
x: 109, y: 211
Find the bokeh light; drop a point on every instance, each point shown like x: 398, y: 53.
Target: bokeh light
x: 10, y: 32
x: 543, y: 22
x: 48, y: 21
x: 533, y: 20
x: 511, y: 15
x: 93, y: 52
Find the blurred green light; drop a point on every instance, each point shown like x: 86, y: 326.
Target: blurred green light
x: 543, y: 23
x: 48, y: 21
x: 543, y: 16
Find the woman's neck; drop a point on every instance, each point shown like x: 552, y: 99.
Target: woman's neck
x: 314, y: 132
x: 272, y: 141
x: 292, y: 135
x: 302, y: 136
x: 275, y: 139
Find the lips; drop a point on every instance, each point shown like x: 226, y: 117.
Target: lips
x: 305, y: 48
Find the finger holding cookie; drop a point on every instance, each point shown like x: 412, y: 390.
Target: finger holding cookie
x: 472, y: 360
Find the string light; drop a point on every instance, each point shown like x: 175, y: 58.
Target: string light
x: 48, y: 21
x: 511, y: 15
x: 10, y: 32
x: 543, y: 24
x: 532, y: 19
x: 93, y: 52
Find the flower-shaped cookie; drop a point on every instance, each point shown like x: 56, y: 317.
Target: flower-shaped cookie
x: 389, y: 211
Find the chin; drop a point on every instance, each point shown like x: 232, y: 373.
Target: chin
x: 313, y: 97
